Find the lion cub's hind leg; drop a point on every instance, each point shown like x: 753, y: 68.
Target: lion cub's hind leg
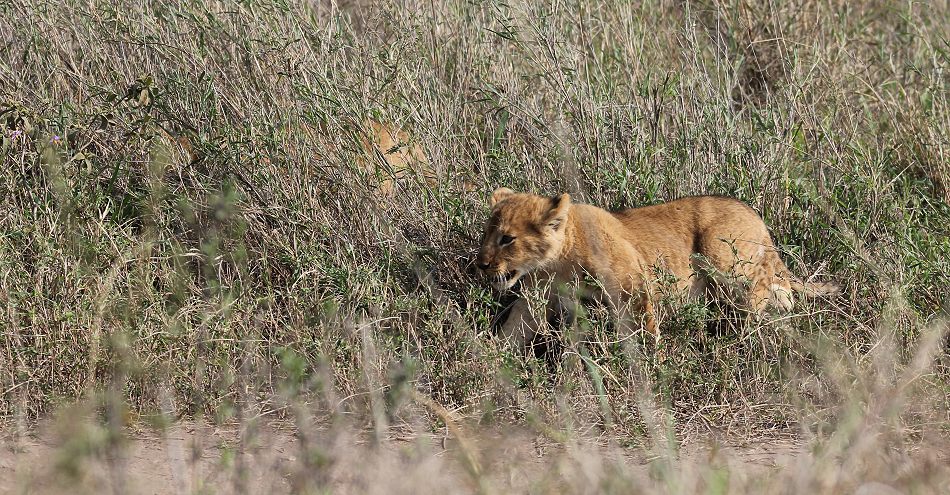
x: 715, y: 279
x: 771, y: 287
x: 766, y: 288
x: 747, y: 273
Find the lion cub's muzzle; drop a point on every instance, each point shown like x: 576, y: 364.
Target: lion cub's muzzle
x: 502, y: 280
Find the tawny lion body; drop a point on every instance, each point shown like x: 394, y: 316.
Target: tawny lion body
x: 698, y: 240
x: 393, y: 154
x: 387, y: 152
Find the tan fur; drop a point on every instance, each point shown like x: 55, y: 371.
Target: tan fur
x: 392, y: 153
x: 698, y: 240
x: 387, y: 152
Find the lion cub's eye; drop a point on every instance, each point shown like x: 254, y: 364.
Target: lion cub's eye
x: 505, y: 240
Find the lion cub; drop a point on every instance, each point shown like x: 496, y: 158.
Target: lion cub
x: 698, y: 240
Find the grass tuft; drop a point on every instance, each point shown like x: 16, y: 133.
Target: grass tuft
x: 197, y: 227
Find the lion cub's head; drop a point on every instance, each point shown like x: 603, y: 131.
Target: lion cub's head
x: 525, y: 232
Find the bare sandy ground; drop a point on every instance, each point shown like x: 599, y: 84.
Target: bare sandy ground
x: 271, y: 458
x: 185, y: 459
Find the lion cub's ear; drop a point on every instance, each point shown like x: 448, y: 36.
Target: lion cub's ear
x: 500, y: 194
x: 556, y: 216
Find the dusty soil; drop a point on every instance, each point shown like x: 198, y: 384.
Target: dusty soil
x: 185, y: 459
x: 274, y: 458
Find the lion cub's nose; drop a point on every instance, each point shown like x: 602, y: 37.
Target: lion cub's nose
x: 483, y: 266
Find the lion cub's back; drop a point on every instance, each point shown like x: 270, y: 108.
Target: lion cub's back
x: 684, y: 220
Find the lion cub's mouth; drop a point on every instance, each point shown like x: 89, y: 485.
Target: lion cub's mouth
x: 507, y: 280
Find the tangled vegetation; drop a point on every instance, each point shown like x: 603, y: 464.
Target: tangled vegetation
x: 194, y: 221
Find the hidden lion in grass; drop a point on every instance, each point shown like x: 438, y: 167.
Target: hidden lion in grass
x: 702, y: 241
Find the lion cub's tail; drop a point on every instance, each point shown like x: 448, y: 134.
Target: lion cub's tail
x: 815, y: 289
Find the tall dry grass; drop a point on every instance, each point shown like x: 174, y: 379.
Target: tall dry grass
x: 188, y: 227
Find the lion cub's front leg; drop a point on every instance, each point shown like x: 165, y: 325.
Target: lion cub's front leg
x: 525, y: 322
x: 630, y: 306
x: 630, y: 295
x: 522, y: 325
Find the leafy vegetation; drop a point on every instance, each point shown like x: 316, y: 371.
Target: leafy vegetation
x: 189, y: 227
